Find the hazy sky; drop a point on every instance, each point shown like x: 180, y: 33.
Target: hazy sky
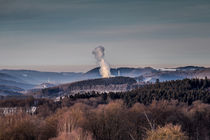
x: 63, y: 33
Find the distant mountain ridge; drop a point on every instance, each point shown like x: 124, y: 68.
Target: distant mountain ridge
x: 31, y: 79
x: 122, y: 71
x: 38, y: 77
x: 149, y: 74
x: 190, y: 68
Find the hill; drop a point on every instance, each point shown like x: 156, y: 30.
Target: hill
x: 122, y: 71
x: 113, y: 84
x: 149, y: 74
x: 38, y: 77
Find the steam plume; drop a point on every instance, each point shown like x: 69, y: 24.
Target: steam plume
x: 104, y: 66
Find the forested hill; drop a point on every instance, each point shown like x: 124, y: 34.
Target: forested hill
x: 106, y: 81
x: 182, y: 90
x: 114, y: 84
x: 187, y: 90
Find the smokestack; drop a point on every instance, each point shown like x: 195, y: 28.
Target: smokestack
x: 104, y: 66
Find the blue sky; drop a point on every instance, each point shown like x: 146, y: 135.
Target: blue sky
x: 40, y: 34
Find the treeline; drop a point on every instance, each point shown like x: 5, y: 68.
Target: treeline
x: 24, y: 102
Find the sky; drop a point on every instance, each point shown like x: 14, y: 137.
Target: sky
x: 59, y: 35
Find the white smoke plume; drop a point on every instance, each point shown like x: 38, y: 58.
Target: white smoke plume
x: 104, y: 66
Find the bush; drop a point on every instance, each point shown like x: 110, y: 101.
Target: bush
x: 168, y: 132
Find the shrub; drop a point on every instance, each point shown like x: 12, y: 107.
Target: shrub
x: 168, y: 132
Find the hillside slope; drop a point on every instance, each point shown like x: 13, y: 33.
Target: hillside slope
x: 113, y: 84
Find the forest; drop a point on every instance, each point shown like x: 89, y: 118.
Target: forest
x: 187, y: 91
x: 172, y: 110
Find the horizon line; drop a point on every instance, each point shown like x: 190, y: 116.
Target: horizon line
x: 85, y: 68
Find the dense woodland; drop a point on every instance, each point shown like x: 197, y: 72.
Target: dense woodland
x: 173, y: 110
x: 185, y: 91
